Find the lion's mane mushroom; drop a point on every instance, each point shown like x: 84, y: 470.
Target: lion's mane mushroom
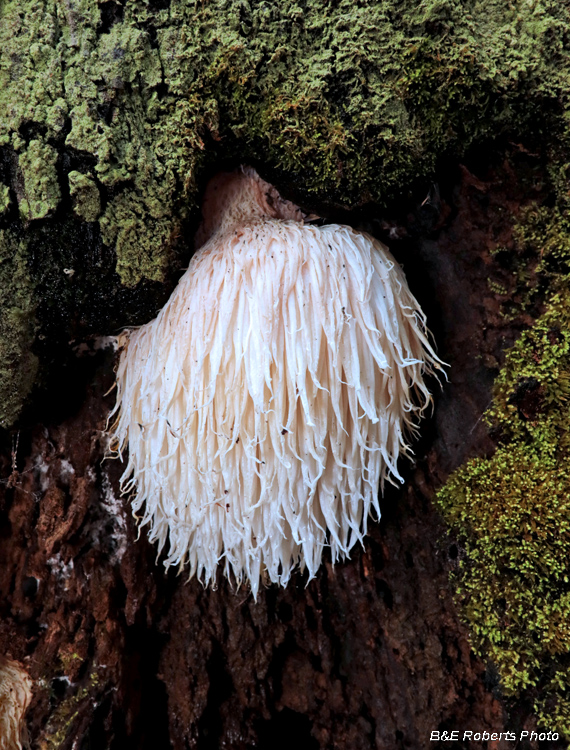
x: 273, y: 393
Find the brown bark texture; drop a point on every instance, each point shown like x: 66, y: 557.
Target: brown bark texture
x: 370, y: 654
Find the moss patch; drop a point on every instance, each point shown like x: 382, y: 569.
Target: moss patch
x: 513, y: 510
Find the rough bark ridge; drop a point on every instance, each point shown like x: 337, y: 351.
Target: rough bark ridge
x: 371, y: 654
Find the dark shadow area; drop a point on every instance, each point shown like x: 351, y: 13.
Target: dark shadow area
x: 210, y: 727
x: 287, y: 729
x: 148, y: 702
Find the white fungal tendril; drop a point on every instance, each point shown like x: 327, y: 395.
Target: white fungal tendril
x: 274, y: 392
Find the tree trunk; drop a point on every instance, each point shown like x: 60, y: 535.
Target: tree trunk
x: 370, y: 654
x: 111, y: 117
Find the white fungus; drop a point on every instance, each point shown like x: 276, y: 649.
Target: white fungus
x: 272, y: 396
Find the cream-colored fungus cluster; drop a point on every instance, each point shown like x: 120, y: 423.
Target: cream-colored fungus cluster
x: 271, y: 397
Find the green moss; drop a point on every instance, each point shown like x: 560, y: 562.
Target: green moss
x: 18, y: 366
x: 140, y: 230
x: 513, y: 510
x: 540, y: 261
x: 70, y: 660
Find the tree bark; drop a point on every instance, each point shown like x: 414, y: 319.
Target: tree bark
x: 112, y: 115
x: 371, y: 653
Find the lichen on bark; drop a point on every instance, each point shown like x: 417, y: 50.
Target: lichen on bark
x: 84, y: 195
x: 39, y: 195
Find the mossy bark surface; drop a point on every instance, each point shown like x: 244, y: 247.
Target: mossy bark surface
x: 112, y: 113
x: 510, y: 511
x: 442, y: 127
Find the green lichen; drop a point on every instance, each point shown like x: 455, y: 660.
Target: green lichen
x: 4, y: 198
x: 18, y: 365
x: 84, y: 195
x: 140, y: 229
x: 513, y: 510
x: 40, y: 194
